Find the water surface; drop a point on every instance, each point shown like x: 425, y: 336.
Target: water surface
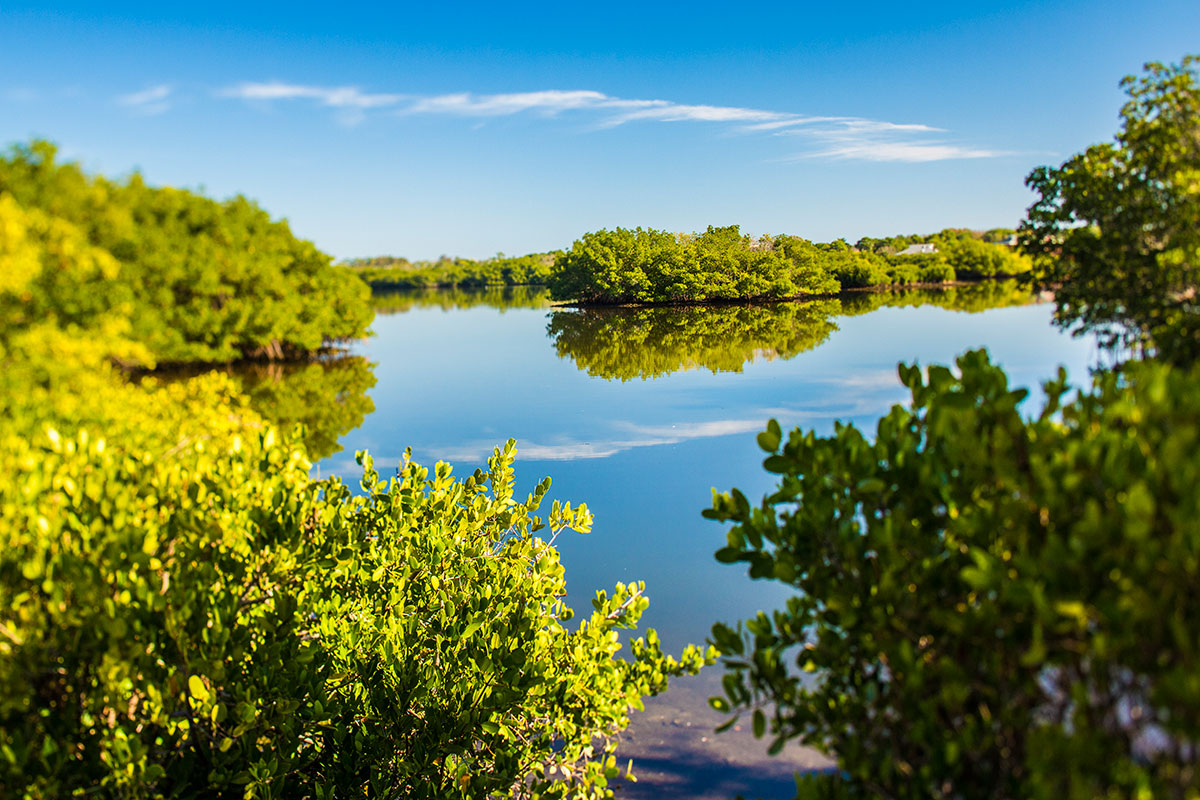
x: 641, y: 413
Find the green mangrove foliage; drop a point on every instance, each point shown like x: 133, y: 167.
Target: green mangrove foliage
x: 392, y: 274
x: 498, y: 297
x: 197, y: 279
x: 648, y: 266
x: 1116, y: 229
x: 958, y: 255
x: 986, y: 605
x: 185, y: 612
x: 996, y: 605
x: 203, y: 619
x: 628, y: 343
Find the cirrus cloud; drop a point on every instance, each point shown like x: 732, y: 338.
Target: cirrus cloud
x: 819, y: 137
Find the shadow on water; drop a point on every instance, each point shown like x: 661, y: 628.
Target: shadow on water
x: 328, y: 397
x: 627, y: 343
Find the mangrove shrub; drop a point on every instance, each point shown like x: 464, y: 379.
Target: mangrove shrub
x: 649, y: 266
x: 198, y: 279
x: 185, y: 612
x: 986, y: 605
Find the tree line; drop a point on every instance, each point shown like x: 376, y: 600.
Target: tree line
x: 385, y: 273
x: 648, y: 266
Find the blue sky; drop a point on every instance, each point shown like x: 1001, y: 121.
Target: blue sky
x: 471, y: 129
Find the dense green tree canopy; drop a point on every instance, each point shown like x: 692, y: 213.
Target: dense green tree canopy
x: 648, y: 266
x: 198, y: 280
x: 1117, y: 227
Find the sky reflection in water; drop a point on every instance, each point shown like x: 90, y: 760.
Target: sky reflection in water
x: 455, y: 379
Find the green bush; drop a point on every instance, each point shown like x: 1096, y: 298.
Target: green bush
x: 649, y: 266
x: 184, y: 612
x: 986, y: 605
x: 974, y: 259
x: 195, y: 617
x: 857, y: 272
x: 903, y: 271
x: 940, y: 272
x: 198, y: 280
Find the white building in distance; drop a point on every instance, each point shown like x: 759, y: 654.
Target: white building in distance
x: 918, y: 249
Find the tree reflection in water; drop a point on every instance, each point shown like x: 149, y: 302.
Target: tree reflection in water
x: 650, y: 342
x: 499, y: 297
x: 629, y: 343
x: 328, y: 396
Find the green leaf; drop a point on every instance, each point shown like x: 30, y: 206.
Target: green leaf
x: 769, y: 439
x: 197, y: 689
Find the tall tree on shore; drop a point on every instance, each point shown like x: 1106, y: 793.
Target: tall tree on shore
x: 1117, y: 227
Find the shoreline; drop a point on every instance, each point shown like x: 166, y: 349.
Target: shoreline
x: 800, y: 298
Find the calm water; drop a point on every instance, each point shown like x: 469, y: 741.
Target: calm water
x: 640, y: 414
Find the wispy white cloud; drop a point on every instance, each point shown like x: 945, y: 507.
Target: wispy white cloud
x: 790, y: 121
x: 350, y: 102
x: 869, y: 148
x: 332, y: 96
x: 674, y: 112
x: 154, y: 100
x: 823, y: 137
x: 465, y: 104
x: 855, y: 138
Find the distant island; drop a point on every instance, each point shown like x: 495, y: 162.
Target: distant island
x: 650, y: 267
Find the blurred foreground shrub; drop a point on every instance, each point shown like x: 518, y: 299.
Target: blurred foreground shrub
x: 987, y: 605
